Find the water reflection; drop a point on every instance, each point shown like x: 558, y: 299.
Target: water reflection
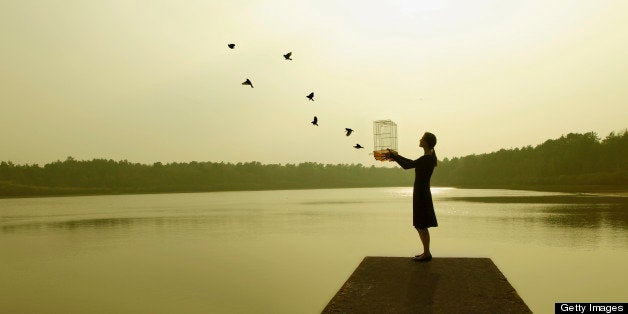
x: 97, y: 223
x: 209, y: 251
x: 334, y: 202
x: 591, y: 216
x: 184, y: 222
x: 571, y: 211
x: 544, y: 199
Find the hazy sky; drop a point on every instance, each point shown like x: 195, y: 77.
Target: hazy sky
x: 154, y: 80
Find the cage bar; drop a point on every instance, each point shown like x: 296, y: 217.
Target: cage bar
x: 384, y: 137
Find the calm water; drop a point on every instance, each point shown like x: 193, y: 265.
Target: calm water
x: 290, y: 251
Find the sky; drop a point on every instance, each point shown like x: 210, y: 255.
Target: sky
x: 151, y: 81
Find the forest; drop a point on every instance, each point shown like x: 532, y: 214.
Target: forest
x: 571, y: 162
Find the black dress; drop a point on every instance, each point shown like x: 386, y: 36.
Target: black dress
x: 423, y: 215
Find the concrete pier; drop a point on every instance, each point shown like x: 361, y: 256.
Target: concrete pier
x: 443, y: 285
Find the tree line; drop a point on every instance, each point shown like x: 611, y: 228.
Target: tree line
x: 573, y: 159
x: 101, y: 176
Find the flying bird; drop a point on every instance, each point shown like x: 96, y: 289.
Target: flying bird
x: 358, y: 146
x: 315, y: 122
x: 231, y: 46
x: 248, y: 82
x: 311, y: 96
x: 349, y: 131
x: 287, y: 55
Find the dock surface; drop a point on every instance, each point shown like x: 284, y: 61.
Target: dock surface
x: 442, y: 285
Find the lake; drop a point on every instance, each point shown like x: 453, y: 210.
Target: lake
x: 290, y: 251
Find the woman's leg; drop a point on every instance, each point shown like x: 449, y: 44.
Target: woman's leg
x: 424, y: 234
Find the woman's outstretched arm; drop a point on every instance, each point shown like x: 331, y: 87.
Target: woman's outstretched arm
x: 404, y: 162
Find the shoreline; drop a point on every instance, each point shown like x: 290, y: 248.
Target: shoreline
x: 608, y: 190
x: 579, y: 189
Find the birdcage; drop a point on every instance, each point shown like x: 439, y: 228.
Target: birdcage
x: 385, y: 138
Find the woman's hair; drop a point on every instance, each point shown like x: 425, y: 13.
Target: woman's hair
x: 430, y: 139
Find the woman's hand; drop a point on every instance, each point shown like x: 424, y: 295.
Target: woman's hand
x: 392, y: 152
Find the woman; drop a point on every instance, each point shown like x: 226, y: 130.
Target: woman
x: 423, y: 215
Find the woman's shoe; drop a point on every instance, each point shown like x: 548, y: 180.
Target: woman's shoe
x: 422, y: 258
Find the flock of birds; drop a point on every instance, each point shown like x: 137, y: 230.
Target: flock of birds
x: 310, y: 96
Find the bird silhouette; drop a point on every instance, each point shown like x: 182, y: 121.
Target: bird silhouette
x: 315, y: 122
x: 231, y: 46
x: 287, y: 55
x: 311, y: 96
x: 358, y: 146
x: 349, y: 131
x: 247, y: 82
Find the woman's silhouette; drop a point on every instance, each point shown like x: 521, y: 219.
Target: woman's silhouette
x: 423, y: 215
